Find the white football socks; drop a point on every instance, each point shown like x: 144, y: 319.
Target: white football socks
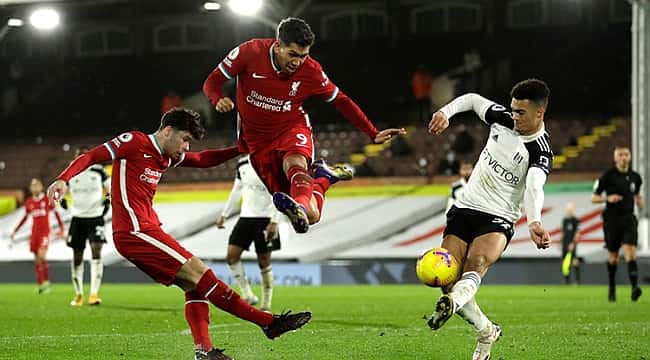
x: 96, y: 274
x: 267, y: 287
x: 237, y: 272
x: 77, y: 273
x: 465, y: 289
x: 472, y: 313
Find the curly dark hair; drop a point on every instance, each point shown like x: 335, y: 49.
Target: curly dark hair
x: 183, y: 119
x: 534, y: 90
x: 295, y: 30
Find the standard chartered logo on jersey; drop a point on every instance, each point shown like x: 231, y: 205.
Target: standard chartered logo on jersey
x: 499, y: 169
x: 268, y: 103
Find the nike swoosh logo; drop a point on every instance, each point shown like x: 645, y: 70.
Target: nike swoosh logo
x: 146, y: 156
x: 255, y: 76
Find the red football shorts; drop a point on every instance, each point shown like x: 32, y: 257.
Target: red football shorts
x: 267, y: 162
x: 154, y: 252
x: 38, y: 241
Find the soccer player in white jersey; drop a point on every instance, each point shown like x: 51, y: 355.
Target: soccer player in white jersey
x: 512, y: 168
x: 257, y: 223
x: 89, y: 205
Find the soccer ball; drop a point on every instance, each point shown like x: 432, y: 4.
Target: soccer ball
x: 436, y: 267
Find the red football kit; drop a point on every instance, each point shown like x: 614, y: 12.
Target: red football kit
x: 272, y: 120
x: 138, y: 165
x: 39, y: 209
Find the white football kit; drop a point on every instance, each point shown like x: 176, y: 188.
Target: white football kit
x: 256, y: 200
x: 87, y: 192
x: 509, y: 165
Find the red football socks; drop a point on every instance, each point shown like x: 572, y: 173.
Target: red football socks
x: 320, y: 188
x: 197, y: 314
x: 302, y: 185
x: 42, y: 272
x: 223, y: 297
x: 45, y: 271
x: 39, y: 273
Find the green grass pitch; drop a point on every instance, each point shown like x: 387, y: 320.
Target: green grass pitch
x: 350, y: 322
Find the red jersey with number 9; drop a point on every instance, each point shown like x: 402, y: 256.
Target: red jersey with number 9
x: 270, y: 103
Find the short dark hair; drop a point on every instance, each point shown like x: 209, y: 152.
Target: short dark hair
x: 531, y: 89
x: 183, y: 119
x: 295, y: 30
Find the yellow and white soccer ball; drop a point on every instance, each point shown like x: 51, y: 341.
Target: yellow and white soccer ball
x: 436, y: 267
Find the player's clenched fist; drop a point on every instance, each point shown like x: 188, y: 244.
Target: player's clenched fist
x: 540, y: 237
x: 225, y: 104
x: 438, y: 123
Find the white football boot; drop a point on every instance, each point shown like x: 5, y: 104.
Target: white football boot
x: 484, y: 343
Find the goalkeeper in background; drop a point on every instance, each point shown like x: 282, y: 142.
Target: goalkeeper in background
x: 570, y: 236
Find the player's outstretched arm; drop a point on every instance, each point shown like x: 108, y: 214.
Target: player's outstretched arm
x: 353, y: 113
x: 533, y: 204
x: 474, y: 102
x: 207, y: 158
x: 439, y: 122
x: 97, y: 155
x: 20, y: 224
x: 388, y: 134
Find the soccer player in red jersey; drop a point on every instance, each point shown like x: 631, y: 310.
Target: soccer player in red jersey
x: 39, y: 209
x: 274, y: 78
x: 139, y: 161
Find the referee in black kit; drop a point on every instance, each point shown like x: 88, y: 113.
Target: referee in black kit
x: 621, y: 187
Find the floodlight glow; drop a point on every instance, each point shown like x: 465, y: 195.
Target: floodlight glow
x: 15, y: 22
x: 211, y: 6
x: 44, y: 19
x: 245, y: 7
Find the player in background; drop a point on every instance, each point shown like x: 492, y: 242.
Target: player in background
x: 511, y: 168
x: 458, y: 186
x: 257, y: 223
x: 139, y: 161
x: 90, y: 195
x: 39, y: 209
x: 570, y: 237
x: 621, y: 186
x: 274, y: 78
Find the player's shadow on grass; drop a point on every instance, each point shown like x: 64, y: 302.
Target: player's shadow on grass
x: 143, y: 308
x: 360, y: 324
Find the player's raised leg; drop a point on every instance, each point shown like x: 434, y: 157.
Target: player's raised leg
x: 233, y: 259
x: 297, y: 205
x: 484, y: 251
x: 444, y: 306
x: 325, y: 176
x: 195, y: 275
